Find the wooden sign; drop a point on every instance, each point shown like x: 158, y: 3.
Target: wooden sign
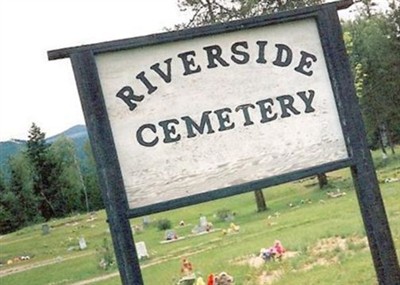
x: 185, y: 117
x: 202, y: 114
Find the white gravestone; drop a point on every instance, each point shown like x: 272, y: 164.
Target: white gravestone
x: 141, y: 249
x: 82, y: 243
x: 203, y: 222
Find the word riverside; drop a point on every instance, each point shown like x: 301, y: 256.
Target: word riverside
x: 279, y: 54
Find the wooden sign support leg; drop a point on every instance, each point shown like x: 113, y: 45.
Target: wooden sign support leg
x: 364, y: 177
x: 97, y: 122
x: 375, y: 221
x: 373, y: 211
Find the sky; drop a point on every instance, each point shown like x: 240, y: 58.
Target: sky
x: 35, y: 90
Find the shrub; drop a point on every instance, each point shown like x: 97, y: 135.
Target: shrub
x: 164, y: 224
x: 105, y: 255
x: 225, y: 215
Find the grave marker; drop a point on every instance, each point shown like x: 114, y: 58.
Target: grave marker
x: 141, y: 250
x: 170, y: 235
x: 82, y: 243
x: 203, y: 222
x: 146, y: 221
x: 45, y: 229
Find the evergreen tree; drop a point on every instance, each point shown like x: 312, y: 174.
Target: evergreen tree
x: 19, y: 203
x: 45, y: 181
x: 7, y: 203
x: 8, y: 211
x: 37, y: 152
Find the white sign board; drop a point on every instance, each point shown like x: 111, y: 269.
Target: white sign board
x: 202, y: 114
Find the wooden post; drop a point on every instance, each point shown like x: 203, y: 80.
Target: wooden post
x: 364, y: 177
x: 90, y: 93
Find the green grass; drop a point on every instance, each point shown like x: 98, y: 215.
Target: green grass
x: 300, y: 228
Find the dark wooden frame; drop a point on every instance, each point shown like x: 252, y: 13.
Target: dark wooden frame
x: 360, y: 161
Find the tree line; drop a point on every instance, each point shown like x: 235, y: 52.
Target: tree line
x: 373, y: 45
x: 46, y: 180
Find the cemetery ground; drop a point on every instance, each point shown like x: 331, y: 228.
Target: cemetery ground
x: 323, y: 236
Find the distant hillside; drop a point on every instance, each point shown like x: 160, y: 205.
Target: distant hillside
x: 8, y: 149
x: 78, y: 134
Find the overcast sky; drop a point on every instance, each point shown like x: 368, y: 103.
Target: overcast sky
x: 33, y: 89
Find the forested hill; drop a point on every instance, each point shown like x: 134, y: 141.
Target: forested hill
x: 78, y: 134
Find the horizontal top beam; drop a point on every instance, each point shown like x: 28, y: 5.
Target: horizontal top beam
x: 165, y: 37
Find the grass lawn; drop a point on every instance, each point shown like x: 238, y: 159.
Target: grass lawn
x: 324, y: 237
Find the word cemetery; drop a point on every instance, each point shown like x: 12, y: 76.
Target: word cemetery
x: 267, y: 110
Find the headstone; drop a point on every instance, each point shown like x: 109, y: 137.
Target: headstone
x: 45, y: 229
x: 170, y: 235
x: 203, y: 222
x: 146, y: 220
x: 141, y: 249
x: 82, y: 243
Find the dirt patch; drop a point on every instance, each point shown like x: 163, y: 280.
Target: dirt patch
x: 323, y: 253
x: 251, y: 260
x: 269, y: 278
x: 337, y: 244
x: 332, y: 244
x: 329, y: 245
x: 257, y: 262
x: 322, y: 261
